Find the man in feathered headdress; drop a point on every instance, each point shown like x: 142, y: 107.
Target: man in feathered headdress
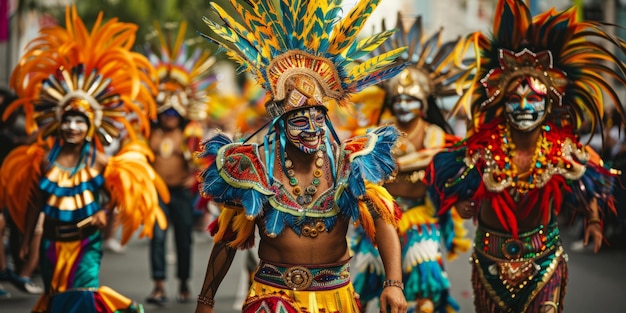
x: 78, y: 89
x: 302, y: 186
x: 521, y: 162
x: 182, y: 105
x: 411, y: 98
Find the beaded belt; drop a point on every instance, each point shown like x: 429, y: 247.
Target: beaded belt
x: 528, y: 245
x: 304, y: 277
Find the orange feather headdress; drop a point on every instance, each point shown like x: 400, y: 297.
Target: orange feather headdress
x: 94, y: 73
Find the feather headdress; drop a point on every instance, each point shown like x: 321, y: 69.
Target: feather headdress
x: 433, y: 68
x: 303, y: 53
x: 95, y: 73
x: 183, y: 75
x: 552, y: 49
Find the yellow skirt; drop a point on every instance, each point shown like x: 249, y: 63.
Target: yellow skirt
x: 268, y: 299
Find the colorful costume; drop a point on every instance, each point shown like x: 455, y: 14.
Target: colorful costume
x: 184, y: 83
x: 430, y: 76
x: 94, y: 75
x: 551, y: 55
x: 302, y: 57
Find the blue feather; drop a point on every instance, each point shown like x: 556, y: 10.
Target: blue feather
x: 274, y: 222
x: 348, y: 203
x: 355, y: 183
x: 378, y: 164
x: 448, y: 167
x: 253, y: 201
x: 211, y: 146
x: 288, y: 19
x: 430, y: 47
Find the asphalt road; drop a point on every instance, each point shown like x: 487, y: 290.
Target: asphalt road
x: 597, y: 283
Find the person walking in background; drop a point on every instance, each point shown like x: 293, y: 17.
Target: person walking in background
x: 302, y: 186
x: 521, y: 162
x: 411, y: 97
x: 12, y: 135
x: 182, y: 105
x: 79, y: 102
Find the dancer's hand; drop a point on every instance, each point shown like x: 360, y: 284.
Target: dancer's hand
x: 99, y: 219
x: 593, y: 230
x: 392, y: 300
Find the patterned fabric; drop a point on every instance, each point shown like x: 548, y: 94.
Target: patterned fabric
x: 300, y: 277
x: 568, y: 173
x: 70, y: 273
x: 237, y: 176
x: 422, y: 266
x: 268, y: 299
x: 543, y: 279
x: 71, y: 197
x: 368, y: 270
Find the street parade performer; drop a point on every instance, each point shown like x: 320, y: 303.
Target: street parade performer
x: 411, y: 97
x: 182, y: 113
x: 80, y: 90
x: 301, y: 187
x: 522, y: 163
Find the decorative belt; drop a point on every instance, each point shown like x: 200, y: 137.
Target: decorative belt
x: 530, y: 244
x: 67, y: 231
x: 304, y: 277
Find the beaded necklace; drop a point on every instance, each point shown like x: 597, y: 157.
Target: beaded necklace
x: 504, y: 173
x: 305, y: 197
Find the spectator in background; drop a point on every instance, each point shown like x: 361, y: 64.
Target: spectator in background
x: 12, y: 135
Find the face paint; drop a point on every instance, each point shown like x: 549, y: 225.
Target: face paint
x: 306, y: 129
x: 74, y: 128
x: 526, y: 106
x: 406, y: 108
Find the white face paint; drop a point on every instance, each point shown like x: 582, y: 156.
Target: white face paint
x: 525, y: 107
x: 306, y: 129
x: 406, y: 108
x: 74, y: 128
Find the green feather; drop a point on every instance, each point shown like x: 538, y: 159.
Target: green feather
x: 367, y: 45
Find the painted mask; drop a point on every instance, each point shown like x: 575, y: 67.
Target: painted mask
x: 526, y: 104
x: 306, y: 129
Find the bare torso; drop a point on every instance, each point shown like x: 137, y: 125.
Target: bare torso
x: 289, y: 248
x: 169, y: 160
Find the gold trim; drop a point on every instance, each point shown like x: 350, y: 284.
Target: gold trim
x: 544, y: 279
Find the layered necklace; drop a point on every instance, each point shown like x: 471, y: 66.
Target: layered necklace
x: 305, y: 196
x: 502, y: 172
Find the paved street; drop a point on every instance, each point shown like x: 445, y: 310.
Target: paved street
x: 597, y: 283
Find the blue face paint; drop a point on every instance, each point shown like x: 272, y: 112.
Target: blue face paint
x: 306, y: 129
x: 525, y: 107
